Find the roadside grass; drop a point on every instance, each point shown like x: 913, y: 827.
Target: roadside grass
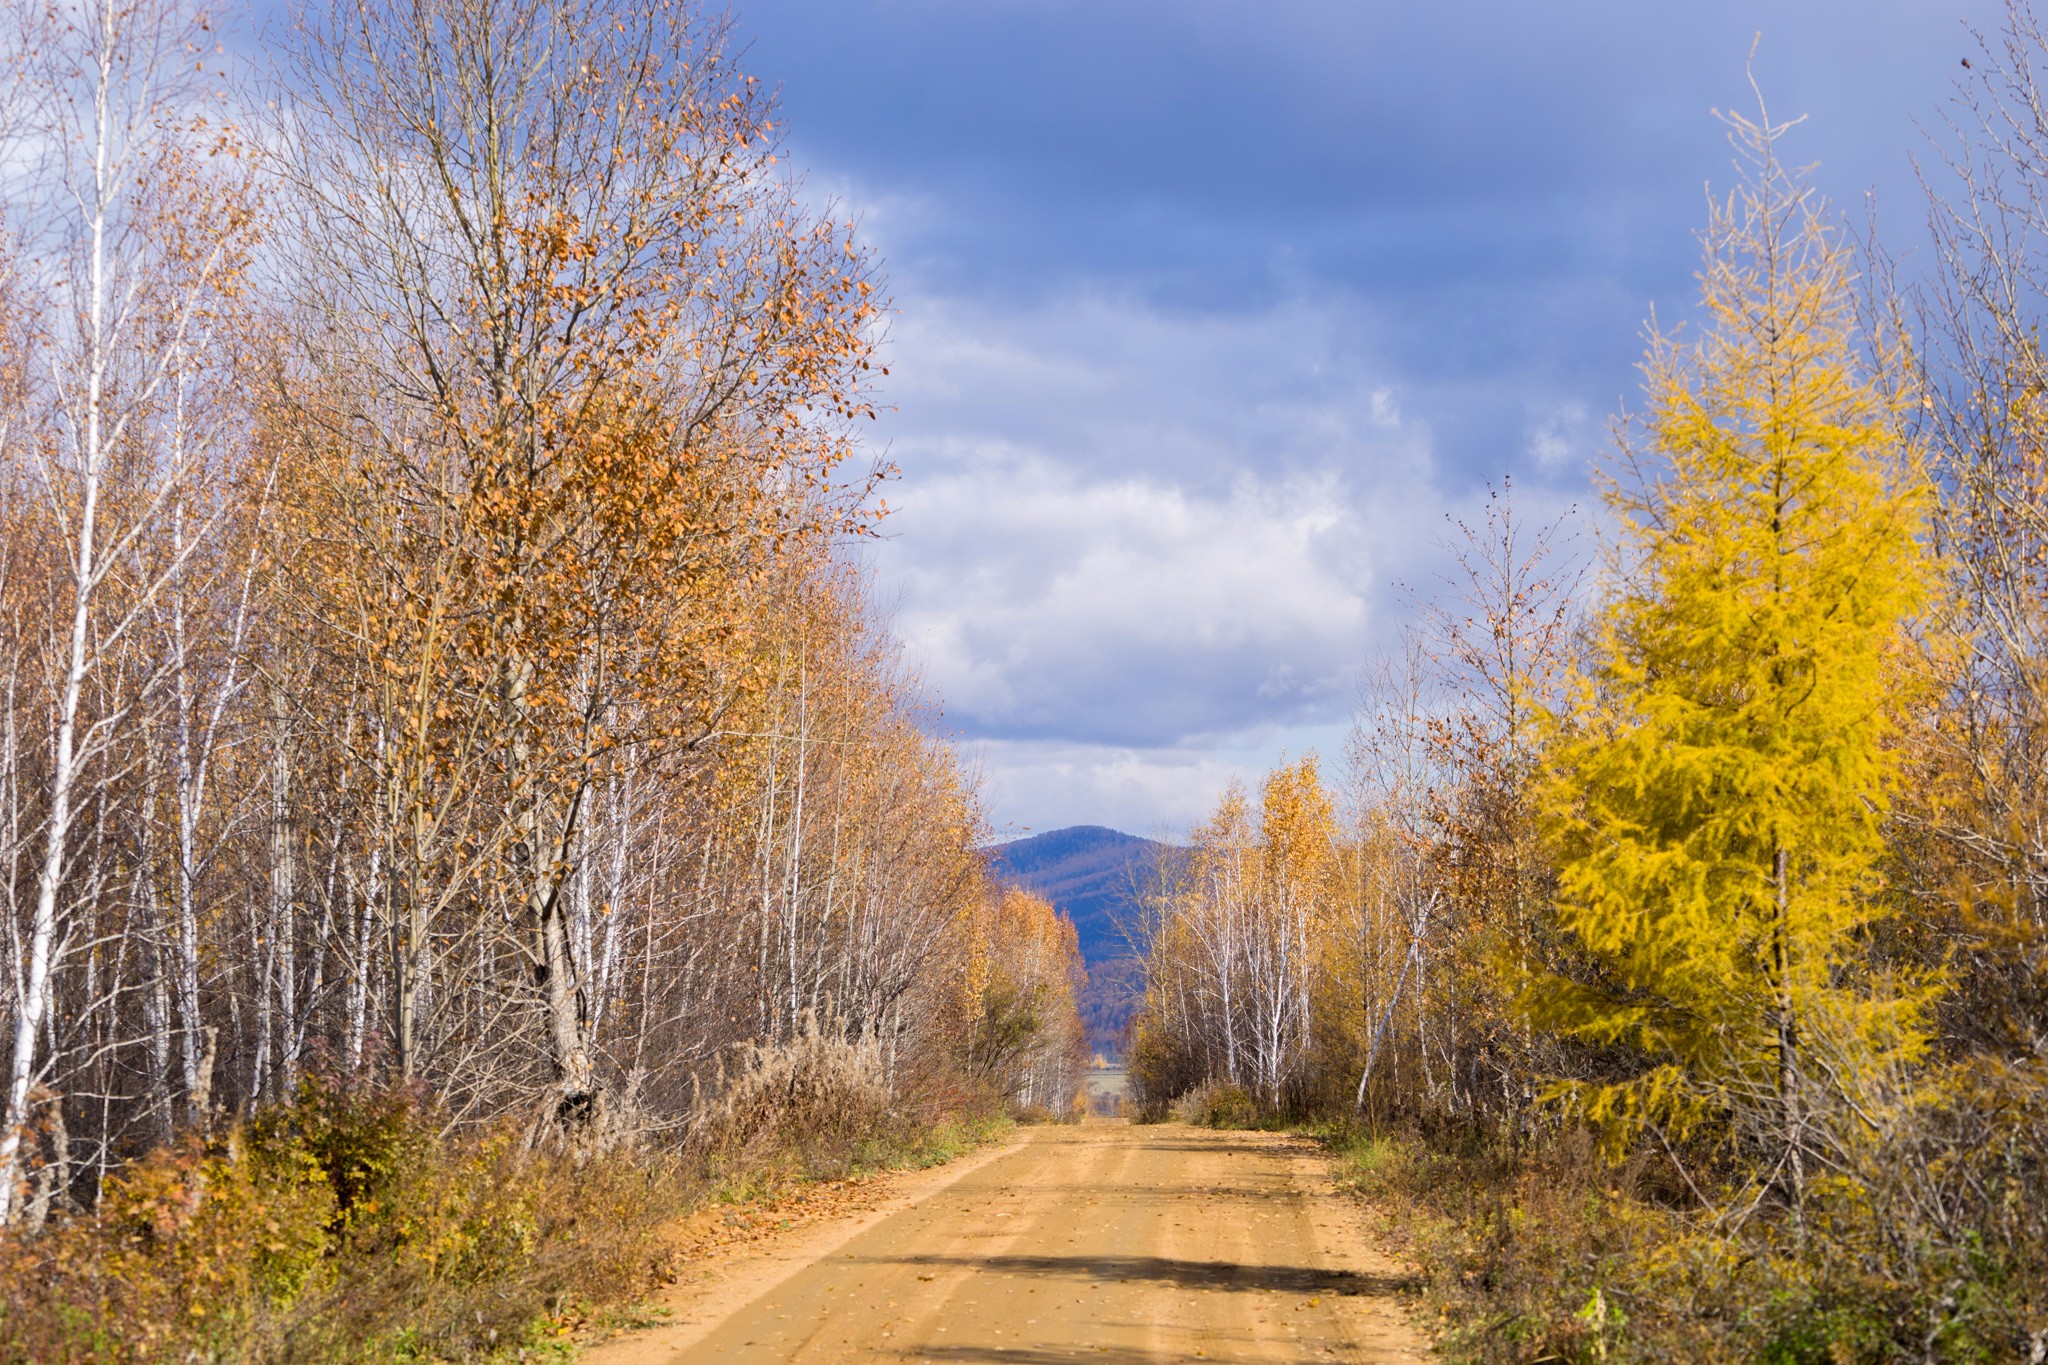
x: 354, y: 1226
x: 1518, y: 1253
x: 901, y: 1148
x: 1544, y: 1251
x: 916, y: 1148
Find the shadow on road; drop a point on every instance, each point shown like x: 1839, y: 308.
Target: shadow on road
x: 1167, y: 1270
x: 1210, y: 1147
x: 1031, y: 1355
x: 1046, y: 1355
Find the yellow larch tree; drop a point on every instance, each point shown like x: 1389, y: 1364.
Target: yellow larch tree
x: 1714, y: 796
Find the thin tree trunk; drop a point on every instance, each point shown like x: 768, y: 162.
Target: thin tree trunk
x: 1789, y: 1098
x: 34, y: 998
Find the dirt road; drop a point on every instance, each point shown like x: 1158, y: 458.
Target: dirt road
x: 1102, y: 1242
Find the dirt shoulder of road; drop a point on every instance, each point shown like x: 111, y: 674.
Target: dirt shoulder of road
x: 729, y: 1254
x: 1352, y: 1231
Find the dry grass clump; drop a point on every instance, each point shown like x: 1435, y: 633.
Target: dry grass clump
x: 817, y: 1102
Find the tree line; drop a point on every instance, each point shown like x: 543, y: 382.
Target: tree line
x: 1722, y: 849
x: 434, y: 644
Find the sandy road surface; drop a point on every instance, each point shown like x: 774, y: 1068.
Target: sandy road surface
x: 1102, y: 1242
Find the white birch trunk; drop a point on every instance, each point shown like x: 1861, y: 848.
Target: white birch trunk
x: 84, y: 565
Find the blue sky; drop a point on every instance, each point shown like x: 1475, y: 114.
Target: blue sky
x: 1207, y: 315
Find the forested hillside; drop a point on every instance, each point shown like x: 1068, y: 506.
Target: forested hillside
x: 1096, y: 877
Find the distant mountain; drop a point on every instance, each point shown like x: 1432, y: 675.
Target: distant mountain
x: 1090, y: 873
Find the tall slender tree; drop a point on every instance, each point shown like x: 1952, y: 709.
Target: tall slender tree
x: 1716, y: 798
x: 132, y: 246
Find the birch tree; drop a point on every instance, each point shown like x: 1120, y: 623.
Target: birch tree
x: 611, y: 357
x: 132, y: 244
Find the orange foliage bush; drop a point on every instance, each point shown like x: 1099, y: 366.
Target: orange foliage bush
x: 342, y: 1226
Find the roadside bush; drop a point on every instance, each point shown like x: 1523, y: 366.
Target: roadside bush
x: 1216, y: 1104
x: 1160, y: 1070
x: 188, y: 1253
x: 351, y: 1225
x: 342, y: 1226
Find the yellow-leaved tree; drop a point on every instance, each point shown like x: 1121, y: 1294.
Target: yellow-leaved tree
x: 1716, y: 786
